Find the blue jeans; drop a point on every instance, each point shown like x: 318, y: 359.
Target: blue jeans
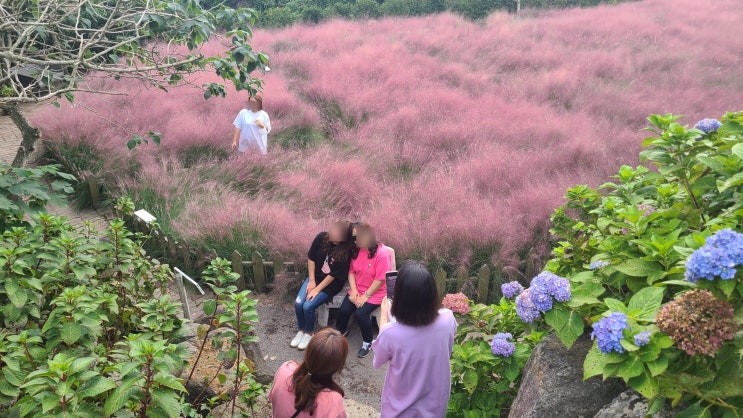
x: 305, y: 309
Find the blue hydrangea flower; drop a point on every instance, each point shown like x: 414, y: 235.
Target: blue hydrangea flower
x: 511, y: 289
x: 719, y: 257
x: 642, y: 338
x: 525, y: 309
x: 599, y: 264
x: 708, y: 125
x: 501, y: 346
x: 552, y: 285
x: 608, y: 332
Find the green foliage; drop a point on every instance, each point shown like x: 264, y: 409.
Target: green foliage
x: 625, y: 247
x: 29, y: 190
x: 483, y: 384
x: 276, y: 14
x: 88, y: 329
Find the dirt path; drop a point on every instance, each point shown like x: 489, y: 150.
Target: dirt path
x: 361, y: 382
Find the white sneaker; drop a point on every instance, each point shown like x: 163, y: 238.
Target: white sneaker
x: 297, y: 338
x: 304, y: 341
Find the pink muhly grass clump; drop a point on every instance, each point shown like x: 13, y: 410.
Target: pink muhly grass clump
x: 451, y: 137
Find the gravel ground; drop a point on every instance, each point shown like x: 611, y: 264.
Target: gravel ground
x: 277, y: 326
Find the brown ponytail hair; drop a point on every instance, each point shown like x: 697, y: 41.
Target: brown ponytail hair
x: 324, y: 357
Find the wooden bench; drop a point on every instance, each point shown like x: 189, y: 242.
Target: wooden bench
x: 323, y: 311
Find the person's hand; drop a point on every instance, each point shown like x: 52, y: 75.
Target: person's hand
x: 313, y: 294
x: 353, y: 296
x: 234, y: 145
x: 311, y: 286
x: 361, y: 300
x: 385, y: 308
x: 259, y: 123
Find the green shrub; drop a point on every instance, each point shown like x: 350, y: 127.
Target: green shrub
x: 633, y: 250
x: 483, y: 383
x: 83, y: 334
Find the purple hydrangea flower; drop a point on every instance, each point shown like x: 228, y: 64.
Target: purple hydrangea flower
x: 708, y: 125
x: 599, y: 264
x: 642, y: 338
x: 552, y: 285
x: 719, y: 257
x: 608, y: 332
x: 525, y: 309
x: 511, y: 289
x: 501, y: 346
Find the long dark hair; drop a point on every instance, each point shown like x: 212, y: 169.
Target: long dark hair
x: 324, y: 357
x: 416, y: 299
x: 367, y: 229
x: 343, y: 250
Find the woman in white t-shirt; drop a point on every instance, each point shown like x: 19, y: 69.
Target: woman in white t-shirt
x: 252, y: 126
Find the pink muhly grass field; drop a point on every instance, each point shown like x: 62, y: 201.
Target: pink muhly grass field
x: 454, y: 138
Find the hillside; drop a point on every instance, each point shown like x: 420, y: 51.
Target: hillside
x: 456, y: 139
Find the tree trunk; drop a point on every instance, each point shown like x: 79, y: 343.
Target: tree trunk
x: 29, y: 134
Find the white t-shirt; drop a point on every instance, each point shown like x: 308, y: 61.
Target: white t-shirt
x: 251, y: 135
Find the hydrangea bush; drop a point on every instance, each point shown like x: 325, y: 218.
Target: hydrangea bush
x: 491, y: 347
x: 655, y: 265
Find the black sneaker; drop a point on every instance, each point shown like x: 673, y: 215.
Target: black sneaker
x: 365, y: 350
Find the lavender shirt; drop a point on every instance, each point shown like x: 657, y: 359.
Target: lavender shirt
x: 418, y: 378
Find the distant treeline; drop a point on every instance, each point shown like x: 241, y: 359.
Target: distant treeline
x: 280, y: 13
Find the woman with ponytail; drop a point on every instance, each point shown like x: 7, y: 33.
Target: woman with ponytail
x: 308, y: 389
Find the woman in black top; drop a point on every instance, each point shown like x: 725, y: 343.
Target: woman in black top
x: 328, y: 261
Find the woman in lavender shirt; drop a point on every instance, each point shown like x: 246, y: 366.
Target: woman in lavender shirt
x: 417, y: 346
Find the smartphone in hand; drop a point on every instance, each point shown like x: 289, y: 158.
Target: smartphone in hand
x: 391, y: 277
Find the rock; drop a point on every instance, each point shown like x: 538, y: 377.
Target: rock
x: 553, y: 384
x: 630, y: 404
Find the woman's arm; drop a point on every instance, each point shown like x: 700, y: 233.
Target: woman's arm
x: 352, y: 284
x: 311, y: 270
x: 384, y: 318
x: 362, y: 299
x: 235, y: 136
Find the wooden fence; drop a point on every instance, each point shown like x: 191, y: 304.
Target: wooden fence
x: 254, y: 274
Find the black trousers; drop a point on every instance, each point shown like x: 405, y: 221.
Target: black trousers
x: 362, y: 315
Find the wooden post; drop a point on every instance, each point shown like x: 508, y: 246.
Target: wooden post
x: 186, y: 251
x: 93, y: 187
x: 483, y: 282
x: 461, y: 275
x: 171, y: 247
x: 278, y: 265
x: 183, y: 295
x: 259, y: 273
x: 237, y: 267
x: 440, y: 278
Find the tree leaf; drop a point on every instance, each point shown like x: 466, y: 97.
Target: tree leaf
x: 594, y: 363
x: 120, y: 396
x: 169, y: 381
x: 209, y: 307
x: 639, y: 268
x: 646, y: 385
x: 71, y: 332
x: 567, y: 323
x: 630, y: 368
x: 647, y: 301
x: 469, y: 380
x: 695, y: 411
x: 168, y: 401
x: 95, y: 387
x: 658, y: 366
